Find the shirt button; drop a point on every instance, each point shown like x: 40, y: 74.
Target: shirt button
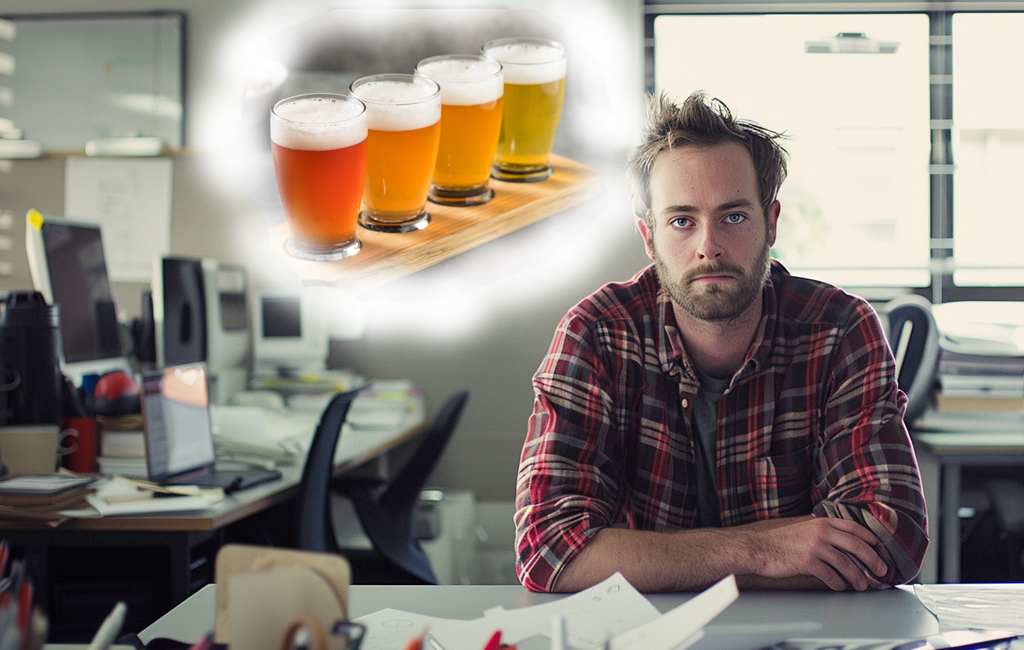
x: 686, y: 403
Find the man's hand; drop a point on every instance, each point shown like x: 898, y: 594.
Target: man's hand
x: 826, y: 548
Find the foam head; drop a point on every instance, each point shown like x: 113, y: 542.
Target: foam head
x: 399, y: 102
x: 319, y: 122
x: 528, y: 61
x: 464, y: 80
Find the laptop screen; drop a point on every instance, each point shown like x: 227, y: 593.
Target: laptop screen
x: 176, y: 411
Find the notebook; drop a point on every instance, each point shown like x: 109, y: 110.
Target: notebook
x: 179, y: 436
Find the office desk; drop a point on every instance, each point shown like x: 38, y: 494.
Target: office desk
x: 945, y: 444
x: 892, y: 613
x: 160, y: 559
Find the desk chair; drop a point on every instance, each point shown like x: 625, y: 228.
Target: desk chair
x: 1007, y: 498
x: 914, y: 339
x: 387, y: 509
x: 315, y: 531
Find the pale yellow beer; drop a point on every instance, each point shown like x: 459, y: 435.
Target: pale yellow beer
x: 403, y: 116
x: 534, y: 90
x: 472, y: 89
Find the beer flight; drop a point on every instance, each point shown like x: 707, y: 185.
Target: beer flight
x: 375, y: 156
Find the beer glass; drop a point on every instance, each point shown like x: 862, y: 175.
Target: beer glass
x: 472, y: 90
x: 403, y: 117
x: 319, y: 147
x: 534, y: 89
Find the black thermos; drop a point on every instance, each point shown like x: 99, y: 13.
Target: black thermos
x: 30, y: 356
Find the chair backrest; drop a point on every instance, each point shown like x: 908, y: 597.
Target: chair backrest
x: 403, y: 491
x: 315, y: 530
x: 914, y: 338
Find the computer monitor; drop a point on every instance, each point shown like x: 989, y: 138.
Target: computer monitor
x: 289, y: 331
x: 68, y: 267
x: 200, y: 315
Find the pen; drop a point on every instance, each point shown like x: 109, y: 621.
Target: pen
x: 558, y: 634
x: 110, y: 627
x: 495, y: 641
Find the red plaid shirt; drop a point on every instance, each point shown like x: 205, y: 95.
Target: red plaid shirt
x: 811, y: 423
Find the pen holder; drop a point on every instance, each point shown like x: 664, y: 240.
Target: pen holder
x: 263, y: 591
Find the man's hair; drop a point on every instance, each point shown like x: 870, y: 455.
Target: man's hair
x: 703, y: 123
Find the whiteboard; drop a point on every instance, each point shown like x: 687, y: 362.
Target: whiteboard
x: 86, y: 76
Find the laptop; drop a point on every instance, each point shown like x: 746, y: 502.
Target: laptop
x: 179, y: 436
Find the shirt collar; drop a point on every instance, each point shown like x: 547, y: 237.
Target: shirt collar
x: 672, y: 354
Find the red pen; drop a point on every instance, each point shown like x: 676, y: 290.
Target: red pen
x: 417, y: 643
x: 495, y: 641
x: 24, y: 604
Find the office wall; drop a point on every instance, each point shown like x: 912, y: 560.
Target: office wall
x: 482, y: 320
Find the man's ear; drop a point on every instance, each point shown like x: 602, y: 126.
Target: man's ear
x: 646, y: 234
x: 773, y: 220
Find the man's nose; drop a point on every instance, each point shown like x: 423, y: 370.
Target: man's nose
x: 708, y: 246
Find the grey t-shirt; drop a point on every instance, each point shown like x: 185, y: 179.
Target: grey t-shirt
x: 705, y: 424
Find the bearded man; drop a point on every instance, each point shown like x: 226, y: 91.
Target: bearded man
x: 716, y: 415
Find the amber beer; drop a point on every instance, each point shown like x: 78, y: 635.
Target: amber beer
x: 534, y: 71
x: 472, y: 89
x: 319, y: 147
x: 403, y: 116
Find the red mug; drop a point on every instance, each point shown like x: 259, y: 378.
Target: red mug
x: 82, y: 459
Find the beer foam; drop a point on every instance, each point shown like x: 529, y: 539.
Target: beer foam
x: 529, y: 63
x: 388, y: 107
x: 317, y: 124
x: 465, y: 82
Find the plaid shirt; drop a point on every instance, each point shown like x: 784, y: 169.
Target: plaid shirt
x: 810, y: 424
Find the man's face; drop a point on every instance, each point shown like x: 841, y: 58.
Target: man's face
x: 710, y: 239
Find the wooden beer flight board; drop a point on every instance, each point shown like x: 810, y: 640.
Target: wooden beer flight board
x: 386, y: 257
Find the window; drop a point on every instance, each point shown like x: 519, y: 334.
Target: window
x: 889, y: 117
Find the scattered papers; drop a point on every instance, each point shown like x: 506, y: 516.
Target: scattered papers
x: 392, y: 628
x: 977, y: 607
x: 610, y: 612
x: 120, y: 496
x: 682, y: 624
x: 593, y: 616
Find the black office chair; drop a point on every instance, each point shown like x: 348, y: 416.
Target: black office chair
x: 387, y: 509
x: 1007, y: 498
x: 914, y: 339
x: 315, y: 530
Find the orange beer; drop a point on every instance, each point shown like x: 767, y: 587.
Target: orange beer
x: 472, y: 89
x: 319, y: 148
x: 403, y: 115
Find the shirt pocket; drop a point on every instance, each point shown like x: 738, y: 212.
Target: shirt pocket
x: 783, y: 483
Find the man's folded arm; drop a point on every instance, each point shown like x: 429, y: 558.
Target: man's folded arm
x: 867, y: 470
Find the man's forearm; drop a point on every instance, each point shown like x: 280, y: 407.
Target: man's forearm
x: 687, y: 560
x: 795, y: 553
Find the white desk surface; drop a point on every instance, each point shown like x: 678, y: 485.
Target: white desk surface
x: 891, y: 613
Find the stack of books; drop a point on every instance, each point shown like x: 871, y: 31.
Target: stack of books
x: 981, y: 357
x: 41, y: 498
x: 122, y: 446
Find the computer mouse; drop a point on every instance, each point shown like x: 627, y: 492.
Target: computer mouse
x: 116, y: 393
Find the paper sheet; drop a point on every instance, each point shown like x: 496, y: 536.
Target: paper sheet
x: 975, y: 606
x: 131, y: 200
x: 593, y: 616
x: 683, y: 623
x: 391, y: 629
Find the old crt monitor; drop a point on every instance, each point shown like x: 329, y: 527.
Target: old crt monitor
x: 200, y: 315
x: 289, y: 330
x: 68, y: 267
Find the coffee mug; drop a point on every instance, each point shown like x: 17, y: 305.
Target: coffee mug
x: 35, y: 448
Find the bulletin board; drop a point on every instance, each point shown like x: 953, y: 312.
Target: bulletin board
x: 84, y: 76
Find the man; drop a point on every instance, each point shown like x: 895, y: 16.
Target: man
x: 716, y: 415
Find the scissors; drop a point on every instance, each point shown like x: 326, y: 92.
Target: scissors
x: 308, y: 634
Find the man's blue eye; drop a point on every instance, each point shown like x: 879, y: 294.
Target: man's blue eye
x: 735, y: 218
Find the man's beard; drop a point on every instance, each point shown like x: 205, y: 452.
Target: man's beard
x: 713, y: 302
